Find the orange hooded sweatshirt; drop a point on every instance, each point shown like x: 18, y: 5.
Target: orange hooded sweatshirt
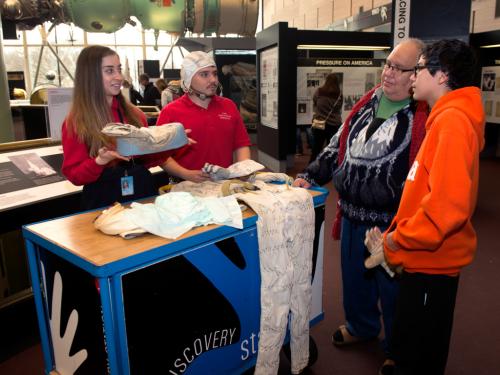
x: 432, y: 228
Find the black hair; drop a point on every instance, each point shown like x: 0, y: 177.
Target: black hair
x: 453, y: 57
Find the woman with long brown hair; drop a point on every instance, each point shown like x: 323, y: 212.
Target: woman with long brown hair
x: 327, y: 105
x: 90, y: 158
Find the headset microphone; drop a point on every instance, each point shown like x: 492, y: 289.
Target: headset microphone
x: 201, y: 95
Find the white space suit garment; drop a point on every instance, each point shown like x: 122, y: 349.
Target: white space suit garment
x: 285, y: 230
x: 112, y: 221
x: 214, y: 188
x: 132, y: 140
x: 170, y: 216
x: 174, y: 214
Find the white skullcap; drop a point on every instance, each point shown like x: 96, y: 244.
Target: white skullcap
x: 191, y: 64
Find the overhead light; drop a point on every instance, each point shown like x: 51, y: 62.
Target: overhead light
x: 342, y: 47
x: 234, y: 52
x: 490, y: 46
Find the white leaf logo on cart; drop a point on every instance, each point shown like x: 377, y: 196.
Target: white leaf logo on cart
x: 65, y: 364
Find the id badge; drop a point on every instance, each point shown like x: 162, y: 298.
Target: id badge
x: 127, y: 183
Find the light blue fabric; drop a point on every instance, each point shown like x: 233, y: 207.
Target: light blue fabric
x: 175, y: 213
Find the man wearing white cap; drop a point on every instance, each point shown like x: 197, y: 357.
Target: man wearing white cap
x: 215, y: 122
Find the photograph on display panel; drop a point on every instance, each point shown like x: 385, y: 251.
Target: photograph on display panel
x: 269, y: 87
x: 490, y: 92
x: 355, y: 76
x: 238, y: 77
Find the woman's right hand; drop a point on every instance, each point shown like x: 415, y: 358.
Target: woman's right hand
x: 300, y: 182
x: 105, y: 155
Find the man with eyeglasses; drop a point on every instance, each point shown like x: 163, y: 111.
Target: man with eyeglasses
x: 431, y: 236
x: 368, y: 160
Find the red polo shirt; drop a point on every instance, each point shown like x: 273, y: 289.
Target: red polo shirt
x: 218, y: 131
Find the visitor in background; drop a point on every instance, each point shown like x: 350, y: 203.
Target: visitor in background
x: 327, y: 106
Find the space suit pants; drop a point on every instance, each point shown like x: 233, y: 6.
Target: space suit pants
x: 285, y: 231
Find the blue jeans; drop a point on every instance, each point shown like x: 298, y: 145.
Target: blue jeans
x: 321, y: 138
x: 363, y: 288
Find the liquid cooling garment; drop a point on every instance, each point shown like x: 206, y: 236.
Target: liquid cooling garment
x: 285, y: 231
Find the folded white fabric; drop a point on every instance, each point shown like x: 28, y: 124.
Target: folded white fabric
x: 217, y: 188
x: 113, y: 221
x: 131, y: 140
x: 173, y: 214
x: 374, y: 242
x: 244, y: 168
x: 239, y: 169
x: 199, y: 189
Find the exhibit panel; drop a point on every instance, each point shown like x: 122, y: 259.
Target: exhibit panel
x: 486, y: 45
x: 356, y: 77
x: 32, y: 189
x: 152, y: 305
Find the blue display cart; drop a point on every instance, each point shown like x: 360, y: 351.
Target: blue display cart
x: 150, y: 305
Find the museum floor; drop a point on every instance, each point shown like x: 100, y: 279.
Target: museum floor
x: 475, y: 345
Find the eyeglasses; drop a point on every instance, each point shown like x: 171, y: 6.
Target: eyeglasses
x: 418, y: 68
x: 396, y: 69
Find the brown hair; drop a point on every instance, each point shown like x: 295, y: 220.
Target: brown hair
x: 331, y: 86
x: 90, y: 111
x: 161, y: 84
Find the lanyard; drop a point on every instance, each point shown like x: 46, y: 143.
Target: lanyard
x: 120, y: 116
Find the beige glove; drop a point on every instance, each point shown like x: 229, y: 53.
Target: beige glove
x: 375, y: 244
x: 113, y: 221
x: 234, y: 186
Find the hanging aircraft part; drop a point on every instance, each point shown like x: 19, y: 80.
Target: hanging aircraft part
x: 174, y: 16
x: 28, y: 14
x: 97, y: 15
x: 238, y: 17
x: 160, y: 14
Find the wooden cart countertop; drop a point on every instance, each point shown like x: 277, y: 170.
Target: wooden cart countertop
x: 77, y: 235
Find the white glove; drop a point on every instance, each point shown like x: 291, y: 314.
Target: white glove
x: 239, y: 169
x: 113, y: 221
x: 216, y: 172
x: 375, y: 244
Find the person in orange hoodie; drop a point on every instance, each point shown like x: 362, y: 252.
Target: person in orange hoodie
x: 431, y: 237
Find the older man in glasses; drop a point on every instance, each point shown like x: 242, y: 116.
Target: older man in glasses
x: 368, y: 160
